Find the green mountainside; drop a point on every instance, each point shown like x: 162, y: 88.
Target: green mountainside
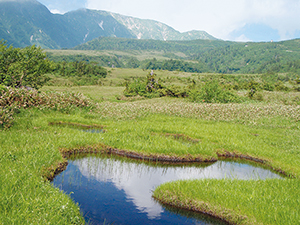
x: 124, y: 44
x: 207, y: 55
x: 28, y: 22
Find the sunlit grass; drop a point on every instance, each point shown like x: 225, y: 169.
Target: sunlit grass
x: 239, y: 202
x: 96, y: 93
x: 266, y: 131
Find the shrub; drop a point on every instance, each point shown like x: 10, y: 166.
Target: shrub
x: 212, y: 92
x: 14, y: 99
x: 279, y: 86
x: 23, y: 67
x: 148, y: 87
x: 268, y: 87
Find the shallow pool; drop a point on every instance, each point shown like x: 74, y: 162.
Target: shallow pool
x: 114, y: 190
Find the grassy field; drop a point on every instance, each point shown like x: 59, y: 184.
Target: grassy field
x: 269, y: 130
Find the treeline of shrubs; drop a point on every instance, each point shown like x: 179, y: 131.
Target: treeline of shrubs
x: 210, y: 92
x: 79, y: 72
x: 30, y: 67
x: 209, y: 89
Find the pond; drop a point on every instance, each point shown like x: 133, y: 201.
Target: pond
x: 114, y: 190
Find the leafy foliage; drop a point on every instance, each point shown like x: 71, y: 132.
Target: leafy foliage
x: 81, y: 73
x: 174, y: 65
x: 210, y: 92
x: 23, y: 67
x: 147, y: 88
x: 210, y: 55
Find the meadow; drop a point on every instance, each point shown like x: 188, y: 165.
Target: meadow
x: 32, y: 148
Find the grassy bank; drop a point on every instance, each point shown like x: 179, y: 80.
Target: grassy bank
x: 30, y: 150
x: 236, y: 201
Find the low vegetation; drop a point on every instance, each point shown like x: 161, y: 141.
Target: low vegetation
x: 163, y: 114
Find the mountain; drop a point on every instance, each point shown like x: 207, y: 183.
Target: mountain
x: 150, y: 29
x: 28, y: 22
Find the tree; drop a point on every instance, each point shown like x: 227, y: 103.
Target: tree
x: 23, y: 67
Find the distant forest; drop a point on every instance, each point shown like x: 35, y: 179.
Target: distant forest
x: 213, y: 56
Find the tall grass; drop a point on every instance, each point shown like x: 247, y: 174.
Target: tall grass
x: 238, y: 202
x: 266, y: 131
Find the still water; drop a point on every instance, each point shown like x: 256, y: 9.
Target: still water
x: 114, y: 190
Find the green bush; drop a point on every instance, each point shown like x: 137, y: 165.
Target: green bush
x: 23, y: 67
x: 2, y: 89
x: 268, y: 86
x: 279, y: 86
x: 175, y: 91
x: 212, y: 92
x: 148, y: 87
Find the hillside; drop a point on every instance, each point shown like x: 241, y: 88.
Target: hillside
x: 28, y: 22
x: 208, y: 55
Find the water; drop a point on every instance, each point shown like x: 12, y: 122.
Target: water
x: 95, y: 131
x: 118, y: 191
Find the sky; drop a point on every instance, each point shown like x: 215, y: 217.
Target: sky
x: 235, y: 20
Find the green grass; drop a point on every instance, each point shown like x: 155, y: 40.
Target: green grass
x: 238, y: 202
x: 267, y: 131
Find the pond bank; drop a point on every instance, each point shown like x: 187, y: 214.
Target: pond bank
x: 165, y: 159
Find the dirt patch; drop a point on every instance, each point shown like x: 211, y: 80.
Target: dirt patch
x: 226, y: 154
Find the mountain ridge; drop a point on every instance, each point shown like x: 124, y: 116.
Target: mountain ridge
x: 28, y: 22
x: 163, y: 31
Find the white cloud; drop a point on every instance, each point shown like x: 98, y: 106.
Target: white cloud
x: 137, y: 180
x: 217, y: 17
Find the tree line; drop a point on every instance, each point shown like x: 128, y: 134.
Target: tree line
x: 29, y: 67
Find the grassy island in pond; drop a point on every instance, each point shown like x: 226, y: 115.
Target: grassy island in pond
x: 38, y: 129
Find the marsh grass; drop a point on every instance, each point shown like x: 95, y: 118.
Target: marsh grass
x: 266, y: 131
x: 268, y: 201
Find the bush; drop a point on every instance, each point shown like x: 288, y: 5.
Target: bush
x: 147, y: 88
x: 23, y: 67
x: 175, y: 91
x: 14, y: 99
x: 212, y: 92
x: 279, y: 86
x: 268, y: 87
x: 2, y: 89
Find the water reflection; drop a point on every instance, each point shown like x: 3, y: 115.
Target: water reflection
x: 120, y: 190
x: 94, y: 131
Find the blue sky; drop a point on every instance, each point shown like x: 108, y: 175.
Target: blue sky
x: 237, y: 20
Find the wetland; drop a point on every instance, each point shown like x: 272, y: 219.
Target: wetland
x: 41, y: 129
x: 115, y: 190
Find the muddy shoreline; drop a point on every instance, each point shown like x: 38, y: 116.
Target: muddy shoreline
x: 164, y: 159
